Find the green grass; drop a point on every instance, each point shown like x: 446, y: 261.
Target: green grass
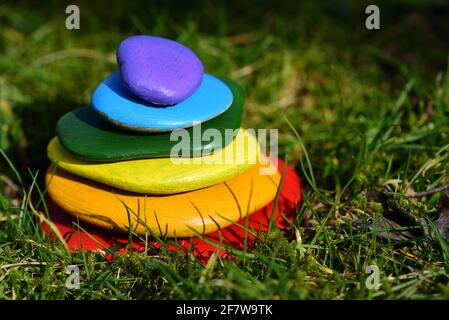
x: 368, y: 108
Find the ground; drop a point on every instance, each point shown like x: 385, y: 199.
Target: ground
x: 368, y: 113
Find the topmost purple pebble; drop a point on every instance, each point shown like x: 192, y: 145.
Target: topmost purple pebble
x: 159, y: 70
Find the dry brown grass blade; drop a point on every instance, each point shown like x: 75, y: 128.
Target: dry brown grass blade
x: 51, y: 225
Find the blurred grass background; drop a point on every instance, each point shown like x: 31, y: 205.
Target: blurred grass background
x: 370, y: 106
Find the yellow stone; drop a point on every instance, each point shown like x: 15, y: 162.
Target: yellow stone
x: 165, y: 175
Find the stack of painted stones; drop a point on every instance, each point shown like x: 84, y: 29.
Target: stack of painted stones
x: 161, y: 151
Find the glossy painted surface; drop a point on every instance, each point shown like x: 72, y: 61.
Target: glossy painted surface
x: 165, y: 175
x: 205, y: 210
x: 234, y: 235
x: 117, y: 105
x: 88, y: 136
x: 159, y: 70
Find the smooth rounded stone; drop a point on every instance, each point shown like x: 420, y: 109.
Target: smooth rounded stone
x: 159, y: 70
x: 88, y: 136
x: 89, y: 237
x: 179, y: 215
x: 165, y: 175
x: 116, y: 104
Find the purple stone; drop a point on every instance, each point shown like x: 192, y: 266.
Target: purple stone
x: 159, y: 70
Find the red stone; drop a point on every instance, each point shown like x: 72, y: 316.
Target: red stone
x: 233, y: 235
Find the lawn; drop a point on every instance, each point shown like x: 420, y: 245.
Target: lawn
x: 362, y: 115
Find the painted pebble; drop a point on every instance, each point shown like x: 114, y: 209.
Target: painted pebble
x: 165, y: 175
x: 116, y: 104
x: 177, y: 215
x: 235, y: 235
x: 159, y: 70
x: 86, y: 135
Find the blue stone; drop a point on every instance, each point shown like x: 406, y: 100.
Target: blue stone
x: 116, y: 104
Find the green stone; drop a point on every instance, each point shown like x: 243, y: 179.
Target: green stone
x: 88, y: 136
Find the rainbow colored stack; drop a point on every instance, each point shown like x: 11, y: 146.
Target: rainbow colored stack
x: 161, y: 151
